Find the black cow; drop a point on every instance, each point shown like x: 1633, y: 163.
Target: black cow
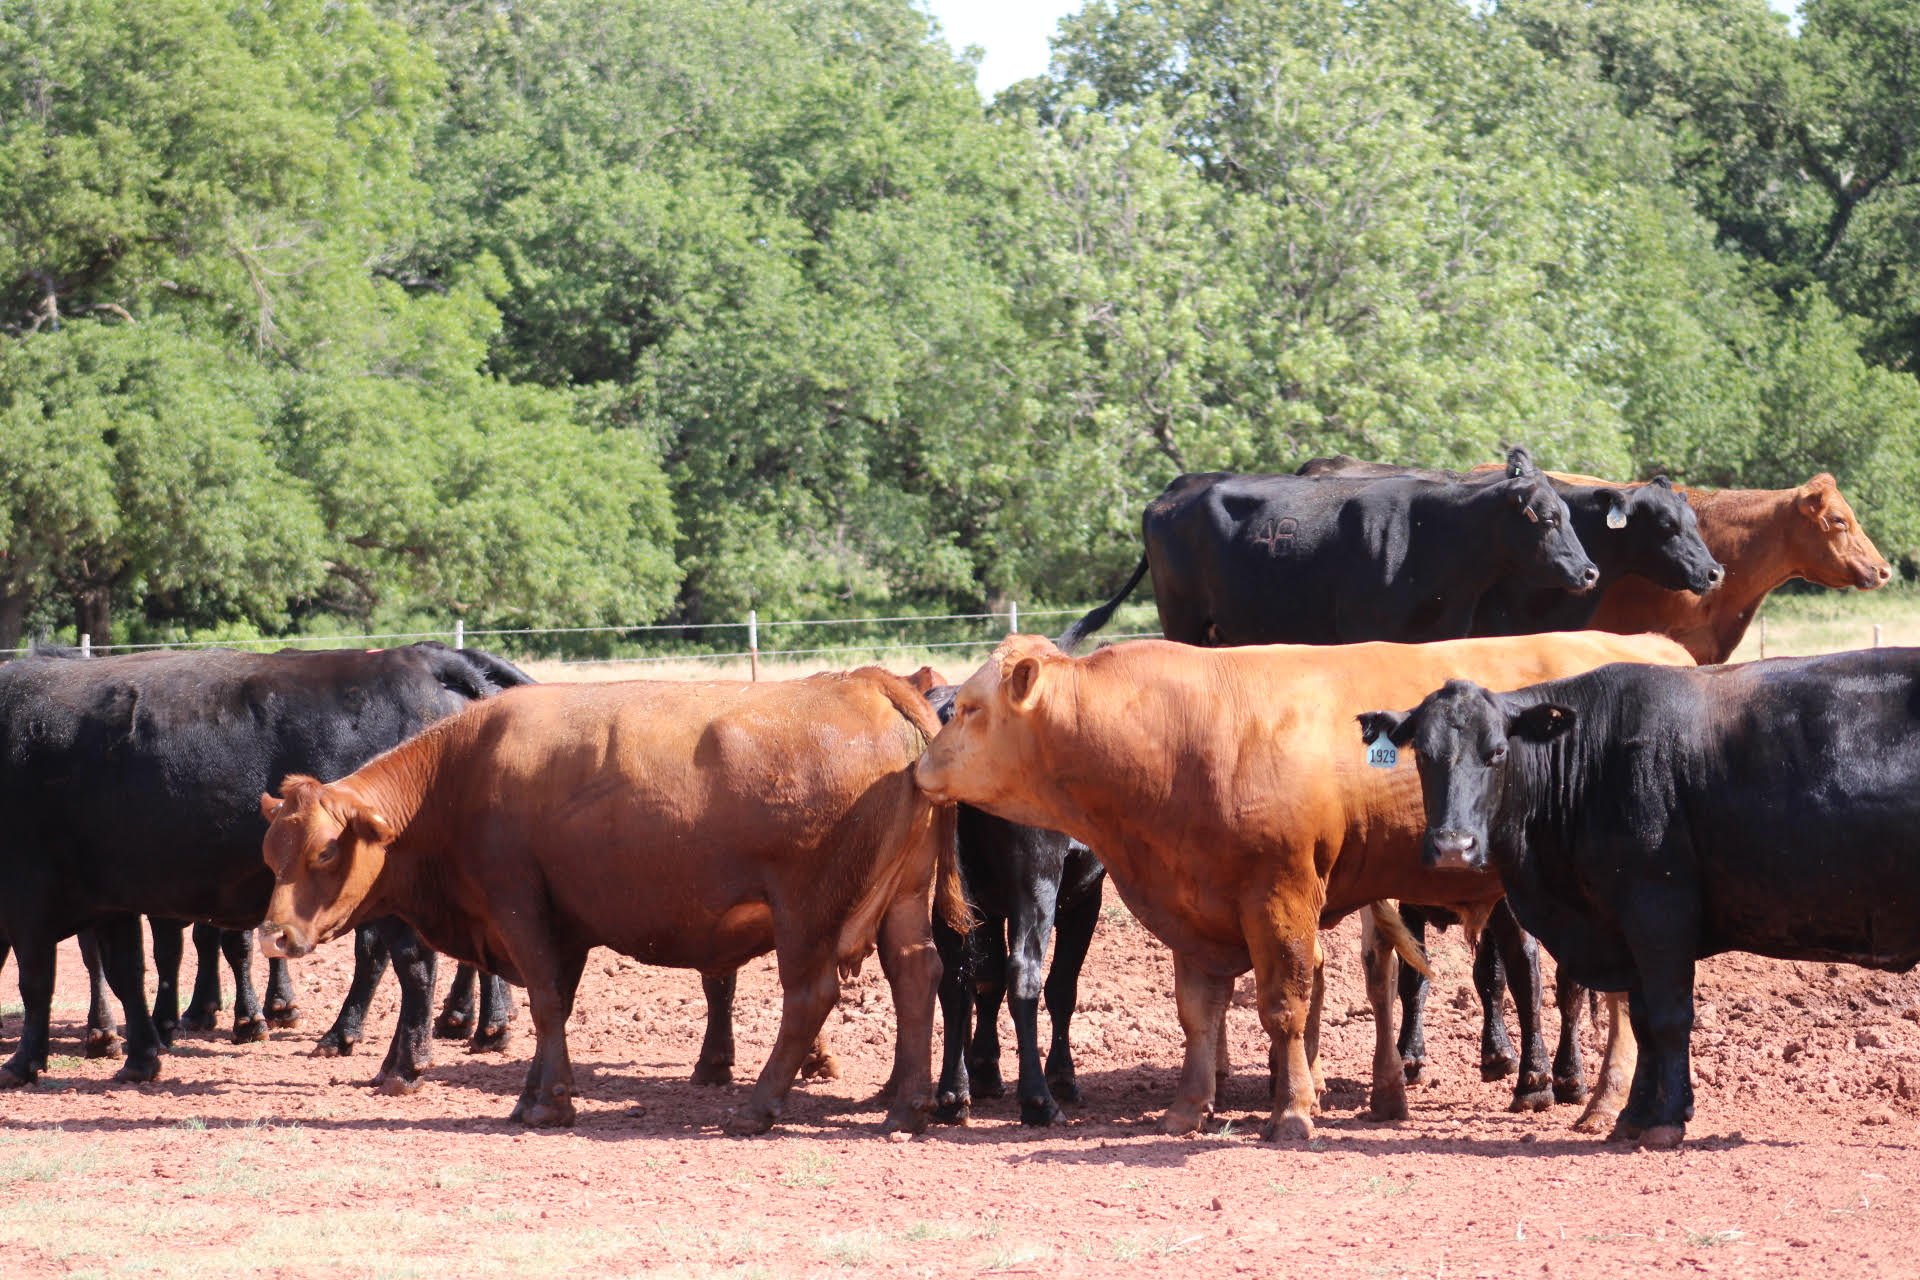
x: 1643, y: 817
x: 131, y: 784
x: 1264, y: 559
x: 1021, y: 883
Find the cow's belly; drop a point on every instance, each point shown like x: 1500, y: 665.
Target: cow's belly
x: 723, y: 941
x: 1867, y: 916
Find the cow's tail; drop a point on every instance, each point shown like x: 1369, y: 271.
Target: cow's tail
x: 1386, y: 918
x: 949, y: 898
x: 1071, y: 638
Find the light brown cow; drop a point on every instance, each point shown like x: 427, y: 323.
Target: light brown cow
x: 1236, y: 813
x: 1764, y: 537
x: 687, y: 824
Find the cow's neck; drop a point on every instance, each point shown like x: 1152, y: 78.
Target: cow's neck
x: 401, y: 786
x: 1748, y: 532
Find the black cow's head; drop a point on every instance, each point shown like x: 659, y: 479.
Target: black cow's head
x: 1460, y: 735
x: 1663, y: 537
x: 1538, y: 536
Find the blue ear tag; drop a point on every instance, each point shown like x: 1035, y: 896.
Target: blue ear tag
x: 1382, y: 754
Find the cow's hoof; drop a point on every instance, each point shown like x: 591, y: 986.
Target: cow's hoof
x: 103, y: 1044
x: 1388, y: 1104
x: 986, y: 1080
x: 1596, y: 1121
x: 911, y: 1117
x: 1179, y: 1120
x: 1569, y: 1090
x: 283, y: 1017
x: 1497, y: 1068
x: 558, y: 1114
x: 10, y: 1078
x: 252, y: 1031
x: 713, y: 1073
x: 1065, y: 1092
x: 1416, y: 1070
x: 953, y: 1108
x: 452, y: 1025
x: 491, y: 1039
x: 1532, y: 1100
x: 1625, y: 1130
x: 395, y: 1085
x: 199, y: 1020
x: 1288, y: 1128
x: 820, y: 1065
x: 1039, y: 1114
x: 139, y: 1070
x: 744, y: 1122
x: 1663, y: 1137
x: 332, y: 1045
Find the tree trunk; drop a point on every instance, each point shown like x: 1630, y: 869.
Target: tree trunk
x: 91, y: 617
x: 13, y: 618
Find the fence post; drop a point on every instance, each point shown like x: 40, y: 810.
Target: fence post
x: 1763, y: 635
x: 1876, y: 635
x: 1013, y: 616
x: 86, y: 645
x: 459, y: 633
x: 753, y: 641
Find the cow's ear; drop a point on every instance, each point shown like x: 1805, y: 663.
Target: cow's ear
x: 1664, y: 482
x: 1519, y: 462
x: 1395, y: 726
x: 1022, y: 682
x: 370, y: 826
x: 269, y: 805
x: 1540, y: 723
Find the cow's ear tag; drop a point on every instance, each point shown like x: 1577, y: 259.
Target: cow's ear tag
x: 1616, y: 516
x: 1382, y: 754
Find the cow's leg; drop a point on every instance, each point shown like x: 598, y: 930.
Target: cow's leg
x: 913, y: 974
x: 205, y: 1003
x: 1569, y: 1071
x: 101, y: 1041
x: 989, y: 989
x: 1643, y: 1093
x: 36, y: 995
x: 1028, y: 929
x: 953, y: 1100
x: 1617, y: 1069
x: 1414, y: 986
x: 168, y: 949
x: 1201, y: 1000
x: 495, y: 1031
x: 415, y: 965
x: 124, y: 961
x: 457, y: 1010
x: 249, y: 1020
x: 283, y: 1005
x: 1497, y: 1059
x: 809, y: 986
x: 1660, y: 925
x: 1316, y: 1003
x: 1388, y: 1100
x: 1520, y: 958
x: 552, y: 976
x: 1283, y: 937
x: 369, y: 966
x: 716, y: 1047
x: 1073, y: 934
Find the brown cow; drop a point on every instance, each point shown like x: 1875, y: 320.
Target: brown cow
x: 1235, y: 812
x: 682, y: 823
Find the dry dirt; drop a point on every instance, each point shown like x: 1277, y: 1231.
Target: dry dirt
x: 262, y: 1160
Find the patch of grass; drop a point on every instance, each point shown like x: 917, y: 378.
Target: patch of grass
x: 1003, y: 1257
x: 1708, y: 1239
x: 1134, y: 1184
x: 812, y: 1169
x: 1168, y: 1247
x: 51, y: 1164
x: 1124, y: 1249
x: 923, y: 1231
x: 1380, y: 1185
x: 849, y: 1248
x: 458, y: 1177
x: 193, y: 1123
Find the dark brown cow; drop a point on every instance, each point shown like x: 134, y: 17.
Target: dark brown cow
x: 690, y: 824
x: 1234, y: 810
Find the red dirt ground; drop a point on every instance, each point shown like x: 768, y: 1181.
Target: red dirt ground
x: 261, y: 1160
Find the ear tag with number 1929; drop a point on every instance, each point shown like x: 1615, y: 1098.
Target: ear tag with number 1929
x: 1382, y: 754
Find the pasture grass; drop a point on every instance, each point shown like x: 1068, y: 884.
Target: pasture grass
x: 812, y: 1169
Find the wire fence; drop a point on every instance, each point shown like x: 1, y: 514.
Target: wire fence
x: 643, y: 644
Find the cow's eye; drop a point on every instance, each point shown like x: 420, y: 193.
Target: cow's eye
x: 1839, y: 526
x: 1498, y: 754
x: 326, y: 853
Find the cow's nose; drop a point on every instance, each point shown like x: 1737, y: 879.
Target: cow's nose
x: 280, y: 942
x: 1718, y: 576
x: 1886, y: 573
x: 1591, y: 576
x: 1452, y: 848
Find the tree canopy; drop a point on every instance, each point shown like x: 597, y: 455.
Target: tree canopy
x: 567, y: 312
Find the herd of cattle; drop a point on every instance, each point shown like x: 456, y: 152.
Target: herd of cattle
x: 1531, y: 637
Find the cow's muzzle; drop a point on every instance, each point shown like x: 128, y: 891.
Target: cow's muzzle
x: 283, y: 942
x: 1714, y: 579
x: 1453, y: 850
